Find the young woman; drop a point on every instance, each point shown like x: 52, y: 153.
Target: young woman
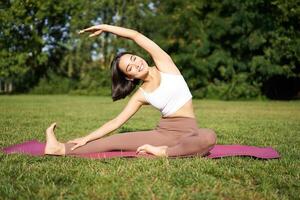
x: 163, y: 86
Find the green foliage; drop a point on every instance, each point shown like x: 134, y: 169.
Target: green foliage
x: 213, y: 43
x: 53, y: 84
x: 27, y: 28
x: 95, y: 82
x: 224, y: 48
x: 237, y: 88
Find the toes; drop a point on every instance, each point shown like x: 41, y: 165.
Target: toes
x: 51, y: 127
x: 53, y: 124
x: 141, y: 152
x: 142, y: 148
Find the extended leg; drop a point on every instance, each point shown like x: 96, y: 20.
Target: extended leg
x: 129, y: 141
x: 200, y: 143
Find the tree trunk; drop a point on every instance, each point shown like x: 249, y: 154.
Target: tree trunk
x: 5, y: 87
x: 10, y: 87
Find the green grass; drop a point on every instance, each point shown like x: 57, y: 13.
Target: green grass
x: 260, y: 123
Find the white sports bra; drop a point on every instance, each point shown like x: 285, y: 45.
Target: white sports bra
x: 171, y: 94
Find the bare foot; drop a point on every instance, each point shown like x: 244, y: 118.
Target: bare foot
x: 155, y: 150
x: 53, y: 147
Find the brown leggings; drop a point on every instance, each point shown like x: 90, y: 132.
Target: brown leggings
x: 180, y: 134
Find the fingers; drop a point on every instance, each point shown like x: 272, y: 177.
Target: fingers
x: 87, y: 30
x: 76, y: 146
x: 96, y: 33
x: 90, y: 29
x: 76, y: 141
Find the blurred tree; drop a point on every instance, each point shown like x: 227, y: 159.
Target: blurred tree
x: 30, y: 32
x: 230, y: 50
x: 231, y: 46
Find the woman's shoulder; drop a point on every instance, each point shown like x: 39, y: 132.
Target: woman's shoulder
x: 172, y: 71
x: 138, y: 96
x: 167, y: 66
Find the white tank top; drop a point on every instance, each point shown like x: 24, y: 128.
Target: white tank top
x: 171, y: 94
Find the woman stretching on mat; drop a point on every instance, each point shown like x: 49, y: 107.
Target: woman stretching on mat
x: 163, y: 86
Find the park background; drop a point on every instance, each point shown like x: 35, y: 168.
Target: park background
x: 224, y: 49
x: 238, y: 57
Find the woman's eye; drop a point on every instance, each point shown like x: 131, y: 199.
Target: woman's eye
x: 134, y: 58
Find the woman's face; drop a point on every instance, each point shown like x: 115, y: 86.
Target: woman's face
x: 134, y: 67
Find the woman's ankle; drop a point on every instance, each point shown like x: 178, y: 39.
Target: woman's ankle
x: 58, y: 149
x: 63, y: 149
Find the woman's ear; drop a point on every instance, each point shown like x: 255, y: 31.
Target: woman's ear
x: 129, y: 79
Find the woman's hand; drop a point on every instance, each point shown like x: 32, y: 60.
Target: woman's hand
x: 79, y: 142
x: 94, y: 30
x: 120, y: 31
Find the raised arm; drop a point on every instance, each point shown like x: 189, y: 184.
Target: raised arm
x: 131, y: 108
x: 162, y: 60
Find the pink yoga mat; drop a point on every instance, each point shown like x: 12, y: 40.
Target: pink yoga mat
x: 36, y: 148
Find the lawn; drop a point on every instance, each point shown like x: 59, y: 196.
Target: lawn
x: 259, y: 123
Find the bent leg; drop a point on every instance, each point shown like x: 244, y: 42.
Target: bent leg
x: 199, y: 143
x: 129, y: 141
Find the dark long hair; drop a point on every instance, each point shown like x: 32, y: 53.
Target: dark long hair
x: 121, y: 87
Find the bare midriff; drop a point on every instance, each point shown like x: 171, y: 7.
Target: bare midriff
x: 186, y: 110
